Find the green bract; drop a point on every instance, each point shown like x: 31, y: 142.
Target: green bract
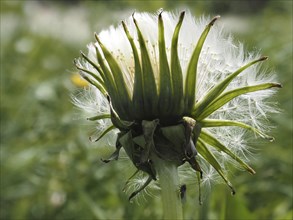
x: 161, y: 118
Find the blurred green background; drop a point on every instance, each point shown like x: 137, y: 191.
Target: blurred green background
x: 50, y: 170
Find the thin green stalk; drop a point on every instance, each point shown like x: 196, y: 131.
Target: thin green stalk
x: 169, y: 182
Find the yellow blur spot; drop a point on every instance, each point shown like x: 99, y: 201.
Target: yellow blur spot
x: 78, y: 81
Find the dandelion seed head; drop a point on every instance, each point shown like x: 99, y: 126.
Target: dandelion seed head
x: 157, y: 73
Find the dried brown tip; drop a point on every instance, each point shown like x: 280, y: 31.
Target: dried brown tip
x: 263, y: 58
x: 278, y: 85
x: 214, y: 20
x: 97, y: 38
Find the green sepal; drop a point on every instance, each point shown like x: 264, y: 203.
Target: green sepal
x: 176, y: 71
x: 115, y: 71
x: 95, y: 84
x: 196, y: 132
x: 134, y: 153
x: 148, y: 128
x: 110, y: 128
x: 209, y: 139
x: 149, y: 83
x: 189, y: 125
x: 137, y: 98
x: 165, y: 87
x: 228, y: 96
x: 96, y: 66
x: 115, y: 154
x: 210, y: 158
x: 220, y: 123
x: 127, y: 143
x: 99, y: 117
x: 219, y: 88
x: 190, y: 81
x: 174, y: 134
x: 192, y: 132
x: 116, y: 121
x: 170, y: 143
x: 95, y: 76
x: 99, y: 84
x: 140, y: 141
x: 175, y: 143
x: 110, y: 85
x: 195, y: 165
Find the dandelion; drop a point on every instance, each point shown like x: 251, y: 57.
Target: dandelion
x: 178, y: 91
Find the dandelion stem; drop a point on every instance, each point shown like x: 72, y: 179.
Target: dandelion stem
x: 169, y: 181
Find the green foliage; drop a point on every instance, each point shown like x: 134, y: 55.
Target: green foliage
x: 49, y: 170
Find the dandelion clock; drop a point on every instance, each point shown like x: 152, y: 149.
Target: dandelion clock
x: 177, y: 90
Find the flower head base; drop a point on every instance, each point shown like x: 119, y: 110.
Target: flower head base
x: 168, y: 84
